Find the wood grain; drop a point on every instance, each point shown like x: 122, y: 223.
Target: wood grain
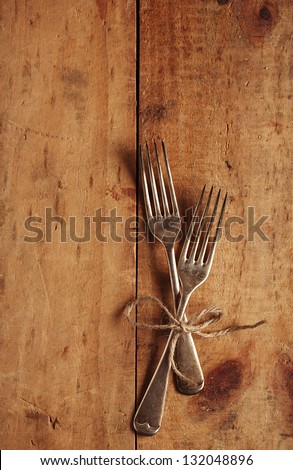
x: 215, y: 82
x: 68, y: 143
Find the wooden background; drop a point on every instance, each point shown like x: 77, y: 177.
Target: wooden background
x: 212, y: 77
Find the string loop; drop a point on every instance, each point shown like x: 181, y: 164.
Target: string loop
x: 196, y: 325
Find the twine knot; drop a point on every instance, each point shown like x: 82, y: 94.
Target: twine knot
x: 196, y: 325
x: 183, y: 326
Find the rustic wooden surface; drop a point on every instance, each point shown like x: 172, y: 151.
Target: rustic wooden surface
x: 215, y: 82
x: 68, y: 136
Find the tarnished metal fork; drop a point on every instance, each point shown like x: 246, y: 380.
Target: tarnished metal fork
x: 165, y: 224
x: 193, y: 269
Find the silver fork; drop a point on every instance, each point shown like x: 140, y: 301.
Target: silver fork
x: 193, y: 270
x: 165, y: 224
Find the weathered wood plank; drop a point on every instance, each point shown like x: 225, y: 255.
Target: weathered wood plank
x: 68, y: 132
x: 216, y: 84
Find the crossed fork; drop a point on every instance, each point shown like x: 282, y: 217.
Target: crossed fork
x: 193, y: 268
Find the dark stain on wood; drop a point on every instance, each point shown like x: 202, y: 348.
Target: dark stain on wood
x: 283, y: 384
x: 46, y: 151
x: 34, y: 21
x: 77, y: 100
x: 91, y: 181
x: 117, y: 193
x: 223, y: 2
x: 154, y: 112
x: 289, y: 384
x: 287, y: 373
x: 15, y: 10
x: 230, y: 421
x: 26, y: 70
x: 14, y: 231
x: 223, y: 380
x: 2, y: 285
x: 102, y: 7
x: 34, y: 414
x: 5, y: 178
x: 3, y: 213
x: 53, y: 100
x: 74, y: 77
x: 277, y: 126
x: 129, y: 192
x: 72, y: 96
x: 113, y: 192
x: 84, y: 338
x: 158, y: 111
x: 222, y: 384
x: 2, y: 117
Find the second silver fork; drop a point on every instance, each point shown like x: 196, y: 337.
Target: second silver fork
x: 193, y: 269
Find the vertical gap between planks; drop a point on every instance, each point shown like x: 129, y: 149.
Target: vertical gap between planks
x: 137, y: 91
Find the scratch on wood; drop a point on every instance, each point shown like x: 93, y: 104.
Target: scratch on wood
x: 53, y: 421
x: 44, y: 286
x: 35, y: 406
x: 228, y: 164
x: 227, y: 143
x: 36, y: 132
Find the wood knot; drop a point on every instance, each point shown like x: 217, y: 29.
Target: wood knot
x: 257, y: 19
x: 265, y: 14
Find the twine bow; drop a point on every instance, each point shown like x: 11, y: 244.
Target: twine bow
x: 196, y: 325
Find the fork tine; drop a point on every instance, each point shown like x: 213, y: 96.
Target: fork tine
x: 170, y: 180
x: 153, y: 182
x: 214, y: 243
x: 186, y: 244
x: 221, y: 217
x: 162, y: 183
x: 200, y: 226
x: 209, y: 228
x: 147, y: 202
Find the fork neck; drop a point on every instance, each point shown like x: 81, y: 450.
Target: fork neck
x: 173, y: 275
x: 182, y: 304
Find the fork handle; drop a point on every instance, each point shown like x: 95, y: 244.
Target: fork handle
x: 188, y: 363
x: 186, y: 354
x: 148, y: 417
